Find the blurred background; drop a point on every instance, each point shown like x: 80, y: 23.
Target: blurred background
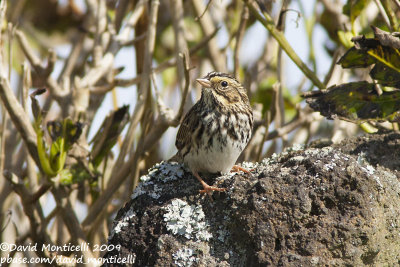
x: 120, y: 74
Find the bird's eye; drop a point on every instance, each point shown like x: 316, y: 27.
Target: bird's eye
x: 224, y: 83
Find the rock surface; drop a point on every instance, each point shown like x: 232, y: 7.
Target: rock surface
x: 332, y: 206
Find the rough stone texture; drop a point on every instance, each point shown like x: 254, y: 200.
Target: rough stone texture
x: 328, y: 206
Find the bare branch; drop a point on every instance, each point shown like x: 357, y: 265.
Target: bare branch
x: 123, y: 36
x: 185, y: 90
x: 239, y: 38
x: 216, y: 57
x: 32, y: 211
x: 71, y: 221
x: 19, y: 118
x: 279, y: 117
x: 96, y: 73
x: 4, y: 117
x: 167, y: 64
x: 72, y: 58
x: 268, y: 23
x: 180, y: 41
x: 143, y: 93
x: 265, y: 135
x: 302, y: 118
x: 55, y: 89
x: 205, y: 10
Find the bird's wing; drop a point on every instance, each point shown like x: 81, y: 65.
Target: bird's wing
x: 188, y: 126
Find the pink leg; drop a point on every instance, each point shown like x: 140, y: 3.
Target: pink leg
x: 237, y: 168
x: 207, y: 189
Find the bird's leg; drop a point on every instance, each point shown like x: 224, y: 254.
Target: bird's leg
x: 237, y: 168
x: 207, y: 188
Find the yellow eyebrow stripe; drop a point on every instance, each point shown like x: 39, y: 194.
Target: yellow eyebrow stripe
x: 219, y: 79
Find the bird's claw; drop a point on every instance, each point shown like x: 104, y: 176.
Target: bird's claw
x: 237, y: 168
x: 209, y: 189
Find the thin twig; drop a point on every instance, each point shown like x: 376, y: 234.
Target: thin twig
x: 290, y: 126
x: 26, y: 85
x: 29, y: 53
x: 71, y: 221
x: 185, y: 90
x: 397, y: 2
x: 216, y: 57
x: 279, y: 117
x: 34, y: 215
x: 239, y: 38
x: 268, y: 23
x: 133, y: 41
x: 335, y: 57
x: 103, y: 67
x: 181, y: 46
x: 131, y: 21
x: 383, y: 14
x: 165, y: 117
x: 143, y: 92
x: 4, y: 117
x: 19, y: 118
x: 140, y: 151
x: 165, y: 65
x: 70, y: 63
x: 11, y: 32
x: 205, y: 10
x: 265, y: 135
x: 114, y: 184
x: 42, y: 71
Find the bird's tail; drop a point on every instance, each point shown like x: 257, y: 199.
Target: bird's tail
x: 176, y: 158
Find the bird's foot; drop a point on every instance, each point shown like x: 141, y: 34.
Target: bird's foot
x: 207, y: 188
x: 210, y: 189
x: 237, y: 168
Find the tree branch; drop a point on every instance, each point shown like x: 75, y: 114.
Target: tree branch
x: 143, y: 93
x: 19, y: 118
x: 269, y: 24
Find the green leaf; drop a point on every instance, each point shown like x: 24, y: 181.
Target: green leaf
x: 345, y: 38
x: 368, y: 128
x: 54, y: 128
x: 384, y: 49
x: 36, y: 110
x: 387, y: 56
x: 55, y: 149
x: 385, y: 75
x: 67, y: 129
x: 353, y: 8
x: 43, y: 157
x: 359, y: 101
x: 356, y: 102
x: 58, y: 154
x: 37, y: 125
x: 356, y: 58
x: 76, y: 174
x: 66, y: 177
x: 73, y: 131
x: 107, y: 135
x: 264, y: 94
x: 63, y: 135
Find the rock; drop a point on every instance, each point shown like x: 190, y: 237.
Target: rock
x: 336, y: 205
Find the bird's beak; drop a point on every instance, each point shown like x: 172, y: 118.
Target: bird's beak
x: 204, y: 82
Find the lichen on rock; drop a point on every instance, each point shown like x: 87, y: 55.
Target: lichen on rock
x: 308, y: 206
x: 186, y: 220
